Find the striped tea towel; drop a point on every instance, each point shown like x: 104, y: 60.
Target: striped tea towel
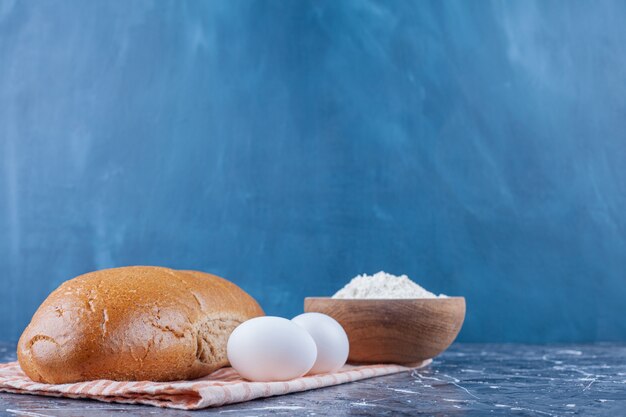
x: 223, y: 386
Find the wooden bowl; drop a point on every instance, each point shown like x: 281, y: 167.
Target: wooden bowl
x: 403, y: 331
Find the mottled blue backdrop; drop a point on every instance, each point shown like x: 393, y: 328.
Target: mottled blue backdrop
x: 477, y: 146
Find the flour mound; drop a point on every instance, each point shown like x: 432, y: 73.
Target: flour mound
x: 383, y: 285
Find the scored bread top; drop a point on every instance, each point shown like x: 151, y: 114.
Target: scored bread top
x: 134, y: 323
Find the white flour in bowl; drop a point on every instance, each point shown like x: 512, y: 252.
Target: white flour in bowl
x: 383, y: 285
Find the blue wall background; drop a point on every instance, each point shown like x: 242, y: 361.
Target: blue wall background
x: 479, y: 147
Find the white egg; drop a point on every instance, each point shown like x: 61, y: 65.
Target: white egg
x: 330, y: 338
x: 271, y: 349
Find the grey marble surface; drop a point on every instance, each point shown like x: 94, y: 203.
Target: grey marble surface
x: 467, y: 380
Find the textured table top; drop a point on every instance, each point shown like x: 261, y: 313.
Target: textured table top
x: 467, y: 380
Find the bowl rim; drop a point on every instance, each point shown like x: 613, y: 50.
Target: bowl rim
x: 387, y: 299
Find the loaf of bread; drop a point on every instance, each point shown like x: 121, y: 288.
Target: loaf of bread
x: 134, y: 323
